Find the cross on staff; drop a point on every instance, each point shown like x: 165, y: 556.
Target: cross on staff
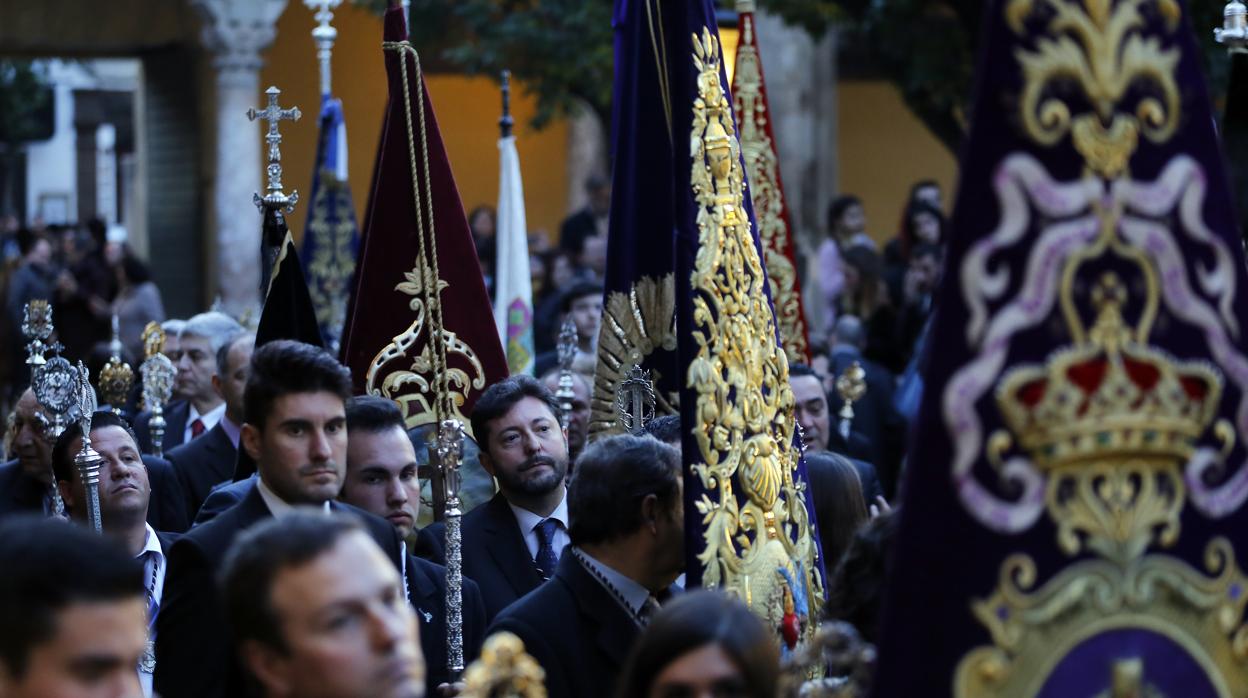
x: 275, y: 198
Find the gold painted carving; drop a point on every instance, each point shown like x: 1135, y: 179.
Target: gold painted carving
x: 1033, y: 630
x: 634, y: 326
x: 413, y: 389
x: 765, y: 192
x: 505, y: 670
x: 758, y: 546
x: 332, y: 266
x: 1096, y: 46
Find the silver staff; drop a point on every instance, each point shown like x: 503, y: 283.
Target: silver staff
x: 450, y: 456
x: 88, y: 461
x: 37, y: 327
x: 566, y: 351
x: 324, y: 35
x: 158, y: 374
x: 116, y: 378
x: 1233, y: 34
x: 54, y: 383
x: 851, y: 385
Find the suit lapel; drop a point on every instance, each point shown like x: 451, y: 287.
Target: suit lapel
x: 615, y: 630
x: 506, y: 545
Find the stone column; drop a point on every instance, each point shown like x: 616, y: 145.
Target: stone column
x: 234, y: 33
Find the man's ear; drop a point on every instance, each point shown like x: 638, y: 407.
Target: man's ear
x: 271, y: 669
x: 650, y: 513
x: 216, y: 386
x: 250, y: 439
x: 486, y: 462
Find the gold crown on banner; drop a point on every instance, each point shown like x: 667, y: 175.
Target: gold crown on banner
x: 1111, y: 399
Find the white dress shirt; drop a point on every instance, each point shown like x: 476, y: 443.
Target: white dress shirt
x: 209, y: 418
x: 529, y: 521
x: 153, y: 566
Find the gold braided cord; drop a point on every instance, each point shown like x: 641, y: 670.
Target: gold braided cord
x: 660, y: 63
x: 428, y: 260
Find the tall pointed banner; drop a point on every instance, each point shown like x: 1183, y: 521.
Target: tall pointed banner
x: 513, y: 291
x: 331, y: 238
x: 1073, y: 521
x: 687, y: 300
x: 771, y: 212
x: 420, y: 329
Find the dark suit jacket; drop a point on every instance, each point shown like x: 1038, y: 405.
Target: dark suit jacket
x: 166, y: 510
x: 223, y: 496
x: 203, y: 463
x: 19, y: 493
x: 176, y: 414
x: 575, y: 629
x: 426, y: 589
x: 495, y: 555
x: 874, y: 417
x: 193, y: 639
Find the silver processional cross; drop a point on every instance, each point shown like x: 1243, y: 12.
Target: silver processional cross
x: 274, y: 197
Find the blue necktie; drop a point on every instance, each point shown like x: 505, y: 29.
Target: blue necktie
x: 546, y: 557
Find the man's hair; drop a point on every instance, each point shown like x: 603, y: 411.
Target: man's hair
x: 284, y: 366
x: 613, y: 475
x: 372, y: 414
x: 848, y: 330
x: 578, y: 291
x: 214, y: 326
x: 665, y: 428
x: 62, y: 455
x: 48, y: 566
x: 698, y: 619
x: 262, y: 552
x: 223, y: 352
x: 837, y: 498
x: 173, y: 326
x: 501, y: 397
x: 797, y: 370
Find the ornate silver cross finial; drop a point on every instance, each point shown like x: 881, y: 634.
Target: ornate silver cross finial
x: 324, y: 34
x: 272, y: 113
x: 37, y: 327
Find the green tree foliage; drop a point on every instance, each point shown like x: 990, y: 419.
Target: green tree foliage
x: 562, y: 49
x: 24, y: 98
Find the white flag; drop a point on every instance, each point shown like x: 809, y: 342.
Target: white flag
x: 513, y: 288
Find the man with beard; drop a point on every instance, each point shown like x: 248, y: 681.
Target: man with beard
x: 296, y: 430
x: 513, y: 542
x: 124, y: 494
x: 627, y: 549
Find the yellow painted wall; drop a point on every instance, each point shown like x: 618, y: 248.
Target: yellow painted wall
x: 467, y: 111
x: 883, y: 149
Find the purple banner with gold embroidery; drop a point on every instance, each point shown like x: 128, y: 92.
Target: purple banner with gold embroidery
x: 687, y: 300
x: 771, y: 211
x: 420, y: 329
x: 1072, y: 521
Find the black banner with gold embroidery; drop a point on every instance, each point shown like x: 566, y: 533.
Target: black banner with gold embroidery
x: 420, y: 329
x: 1073, y: 519
x: 687, y: 298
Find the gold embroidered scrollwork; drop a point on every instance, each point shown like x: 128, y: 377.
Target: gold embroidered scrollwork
x: 760, y: 545
x: 332, y: 266
x: 759, y: 153
x: 634, y: 326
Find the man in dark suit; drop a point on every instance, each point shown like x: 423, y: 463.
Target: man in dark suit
x: 26, y: 481
x: 199, y: 341
x: 512, y: 543
x: 317, y: 610
x: 627, y: 549
x: 168, y: 509
x: 812, y: 415
x: 381, y: 479
x: 209, y: 460
x: 296, y: 431
x: 124, y: 495
x: 590, y: 221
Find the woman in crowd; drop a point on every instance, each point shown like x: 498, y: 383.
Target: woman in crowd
x: 704, y: 644
x: 856, y: 585
x: 840, y: 508
x: 922, y: 224
x: 137, y: 303
x: 847, y: 226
